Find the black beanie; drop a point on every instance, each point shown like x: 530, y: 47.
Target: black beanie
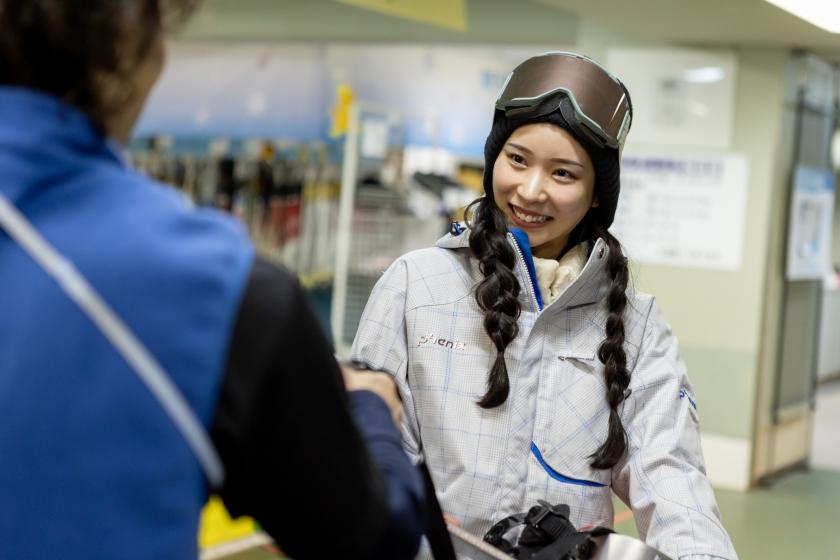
x: 605, y: 161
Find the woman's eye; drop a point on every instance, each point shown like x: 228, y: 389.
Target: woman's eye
x: 516, y: 158
x: 563, y: 174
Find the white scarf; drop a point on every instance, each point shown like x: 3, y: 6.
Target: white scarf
x: 553, y: 276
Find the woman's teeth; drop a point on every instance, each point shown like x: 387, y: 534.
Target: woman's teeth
x: 530, y: 218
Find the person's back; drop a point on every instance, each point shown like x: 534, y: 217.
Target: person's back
x: 174, y: 275
x: 145, y: 352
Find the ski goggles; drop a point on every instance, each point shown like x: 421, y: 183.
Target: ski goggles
x: 599, y: 104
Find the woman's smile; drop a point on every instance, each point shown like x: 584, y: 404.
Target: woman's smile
x: 526, y: 218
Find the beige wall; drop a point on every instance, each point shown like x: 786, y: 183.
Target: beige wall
x: 764, y: 447
x: 835, y: 241
x: 719, y: 315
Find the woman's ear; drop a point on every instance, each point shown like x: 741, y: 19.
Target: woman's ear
x: 595, y: 202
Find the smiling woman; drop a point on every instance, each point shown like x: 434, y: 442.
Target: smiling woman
x: 570, y: 386
x: 544, y: 182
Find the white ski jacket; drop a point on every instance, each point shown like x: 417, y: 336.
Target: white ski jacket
x: 423, y: 325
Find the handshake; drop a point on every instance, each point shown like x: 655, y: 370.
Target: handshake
x: 358, y: 378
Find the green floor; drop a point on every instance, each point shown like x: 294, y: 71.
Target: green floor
x: 798, y: 517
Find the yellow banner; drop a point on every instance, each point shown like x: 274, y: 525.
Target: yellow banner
x: 443, y: 13
x: 340, y: 112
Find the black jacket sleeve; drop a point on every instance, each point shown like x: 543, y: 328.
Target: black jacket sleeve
x: 294, y: 459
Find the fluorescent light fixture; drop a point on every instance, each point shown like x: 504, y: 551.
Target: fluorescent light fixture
x: 825, y: 14
x: 704, y: 75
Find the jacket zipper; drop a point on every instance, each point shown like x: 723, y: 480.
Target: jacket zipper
x: 527, y: 273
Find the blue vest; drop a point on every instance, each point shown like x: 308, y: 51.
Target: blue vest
x: 90, y: 464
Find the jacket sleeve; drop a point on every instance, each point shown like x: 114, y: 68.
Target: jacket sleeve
x: 303, y: 457
x: 381, y: 343
x: 663, y: 477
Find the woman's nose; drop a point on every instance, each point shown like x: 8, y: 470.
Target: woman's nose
x: 532, y: 187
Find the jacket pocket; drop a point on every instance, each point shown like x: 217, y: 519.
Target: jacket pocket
x: 584, y: 361
x: 556, y: 475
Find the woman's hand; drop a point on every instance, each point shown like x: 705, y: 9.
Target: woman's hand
x: 451, y: 520
x: 377, y: 382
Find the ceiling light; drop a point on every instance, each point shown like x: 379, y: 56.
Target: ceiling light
x: 825, y: 14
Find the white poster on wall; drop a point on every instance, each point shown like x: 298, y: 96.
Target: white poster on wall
x: 683, y: 211
x: 811, y: 218
x: 374, y: 138
x: 681, y: 97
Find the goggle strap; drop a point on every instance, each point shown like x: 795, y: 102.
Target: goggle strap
x: 571, y: 115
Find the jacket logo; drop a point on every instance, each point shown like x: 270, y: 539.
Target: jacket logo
x: 686, y: 395
x: 432, y: 339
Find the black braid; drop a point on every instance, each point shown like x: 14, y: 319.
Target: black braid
x: 498, y: 292
x: 611, y: 352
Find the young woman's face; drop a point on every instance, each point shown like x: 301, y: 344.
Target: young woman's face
x: 544, y: 182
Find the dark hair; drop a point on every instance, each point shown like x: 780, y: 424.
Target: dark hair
x: 497, y: 294
x: 66, y: 47
x: 611, y: 351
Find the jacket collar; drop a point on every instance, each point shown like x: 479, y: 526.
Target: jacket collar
x: 590, y: 287
x: 40, y: 128
x: 454, y: 240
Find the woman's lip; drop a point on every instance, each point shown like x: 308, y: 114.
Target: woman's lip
x: 524, y: 211
x: 522, y: 223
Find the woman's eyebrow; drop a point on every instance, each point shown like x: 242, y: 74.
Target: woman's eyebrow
x: 522, y: 148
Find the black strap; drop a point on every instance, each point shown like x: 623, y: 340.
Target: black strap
x: 548, y: 535
x: 436, y: 531
x: 546, y: 523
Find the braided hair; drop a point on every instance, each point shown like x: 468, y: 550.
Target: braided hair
x: 611, y: 352
x: 497, y: 294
